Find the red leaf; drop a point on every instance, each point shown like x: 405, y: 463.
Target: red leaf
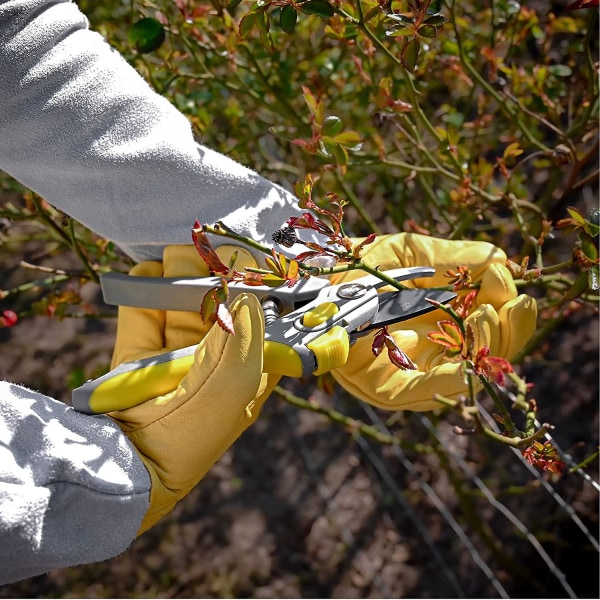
x: 397, y: 357
x: 544, y: 456
x: 492, y: 367
x: 206, y: 251
x: 357, y: 250
x: 224, y: 319
x: 251, y: 278
x: 400, y: 359
x: 378, y: 342
x: 304, y: 256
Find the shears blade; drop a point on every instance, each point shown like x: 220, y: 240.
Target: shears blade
x: 186, y: 293
x: 402, y: 305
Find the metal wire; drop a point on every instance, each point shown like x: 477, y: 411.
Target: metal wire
x: 552, y: 566
x: 439, y: 504
x: 555, y: 496
x: 566, y: 457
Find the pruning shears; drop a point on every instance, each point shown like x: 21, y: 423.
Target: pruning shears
x: 309, y: 328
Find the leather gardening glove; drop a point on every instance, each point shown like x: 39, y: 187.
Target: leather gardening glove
x: 180, y: 435
x: 501, y: 320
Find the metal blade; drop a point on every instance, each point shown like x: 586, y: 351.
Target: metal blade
x: 186, y: 293
x: 395, y: 307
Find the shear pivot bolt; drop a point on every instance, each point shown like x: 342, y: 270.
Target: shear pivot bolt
x: 352, y: 290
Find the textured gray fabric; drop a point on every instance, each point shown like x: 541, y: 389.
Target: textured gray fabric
x: 79, y: 126
x: 72, y: 488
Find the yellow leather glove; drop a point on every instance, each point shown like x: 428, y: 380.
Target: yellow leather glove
x: 180, y: 435
x: 501, y: 320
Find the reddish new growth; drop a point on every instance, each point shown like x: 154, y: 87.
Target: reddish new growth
x: 282, y: 270
x: 451, y: 338
x: 544, y: 456
x: 457, y: 347
x: 491, y: 367
x: 460, y: 279
x: 328, y: 223
x: 383, y: 339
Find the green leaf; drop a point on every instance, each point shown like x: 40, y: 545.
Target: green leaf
x: 410, y: 54
x: 247, y: 23
x: 591, y: 228
x: 327, y: 146
x: 434, y: 7
x: 512, y: 150
x: 350, y: 31
x: 262, y: 21
x: 146, y: 35
x: 321, y: 8
x: 564, y: 25
x: 310, y: 99
x: 348, y: 139
x: 341, y: 156
x: 435, y: 20
x: 560, y: 70
x: 288, y: 18
x: 589, y: 248
x: 233, y: 260
x: 454, y: 119
x: 576, y: 215
x: 208, y: 307
x: 399, y: 31
x: 266, y: 40
x: 332, y: 125
x: 403, y: 19
x: 371, y: 13
x: 427, y: 31
x: 579, y: 286
x: 232, y: 5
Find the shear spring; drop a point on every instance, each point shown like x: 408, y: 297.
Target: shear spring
x: 271, y: 310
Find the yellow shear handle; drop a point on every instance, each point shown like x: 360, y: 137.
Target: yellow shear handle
x: 328, y: 351
x: 138, y: 381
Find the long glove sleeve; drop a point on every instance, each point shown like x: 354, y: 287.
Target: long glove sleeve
x: 73, y: 490
x: 80, y: 126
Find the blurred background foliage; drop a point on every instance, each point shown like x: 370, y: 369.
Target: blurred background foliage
x: 470, y: 120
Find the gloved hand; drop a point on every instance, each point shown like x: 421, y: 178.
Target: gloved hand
x: 180, y: 435
x: 500, y: 319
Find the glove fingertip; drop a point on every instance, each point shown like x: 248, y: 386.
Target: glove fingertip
x: 148, y: 268
x: 497, y: 286
x: 485, y: 324
x: 518, y: 322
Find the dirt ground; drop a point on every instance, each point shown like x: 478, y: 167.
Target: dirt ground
x: 302, y: 508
